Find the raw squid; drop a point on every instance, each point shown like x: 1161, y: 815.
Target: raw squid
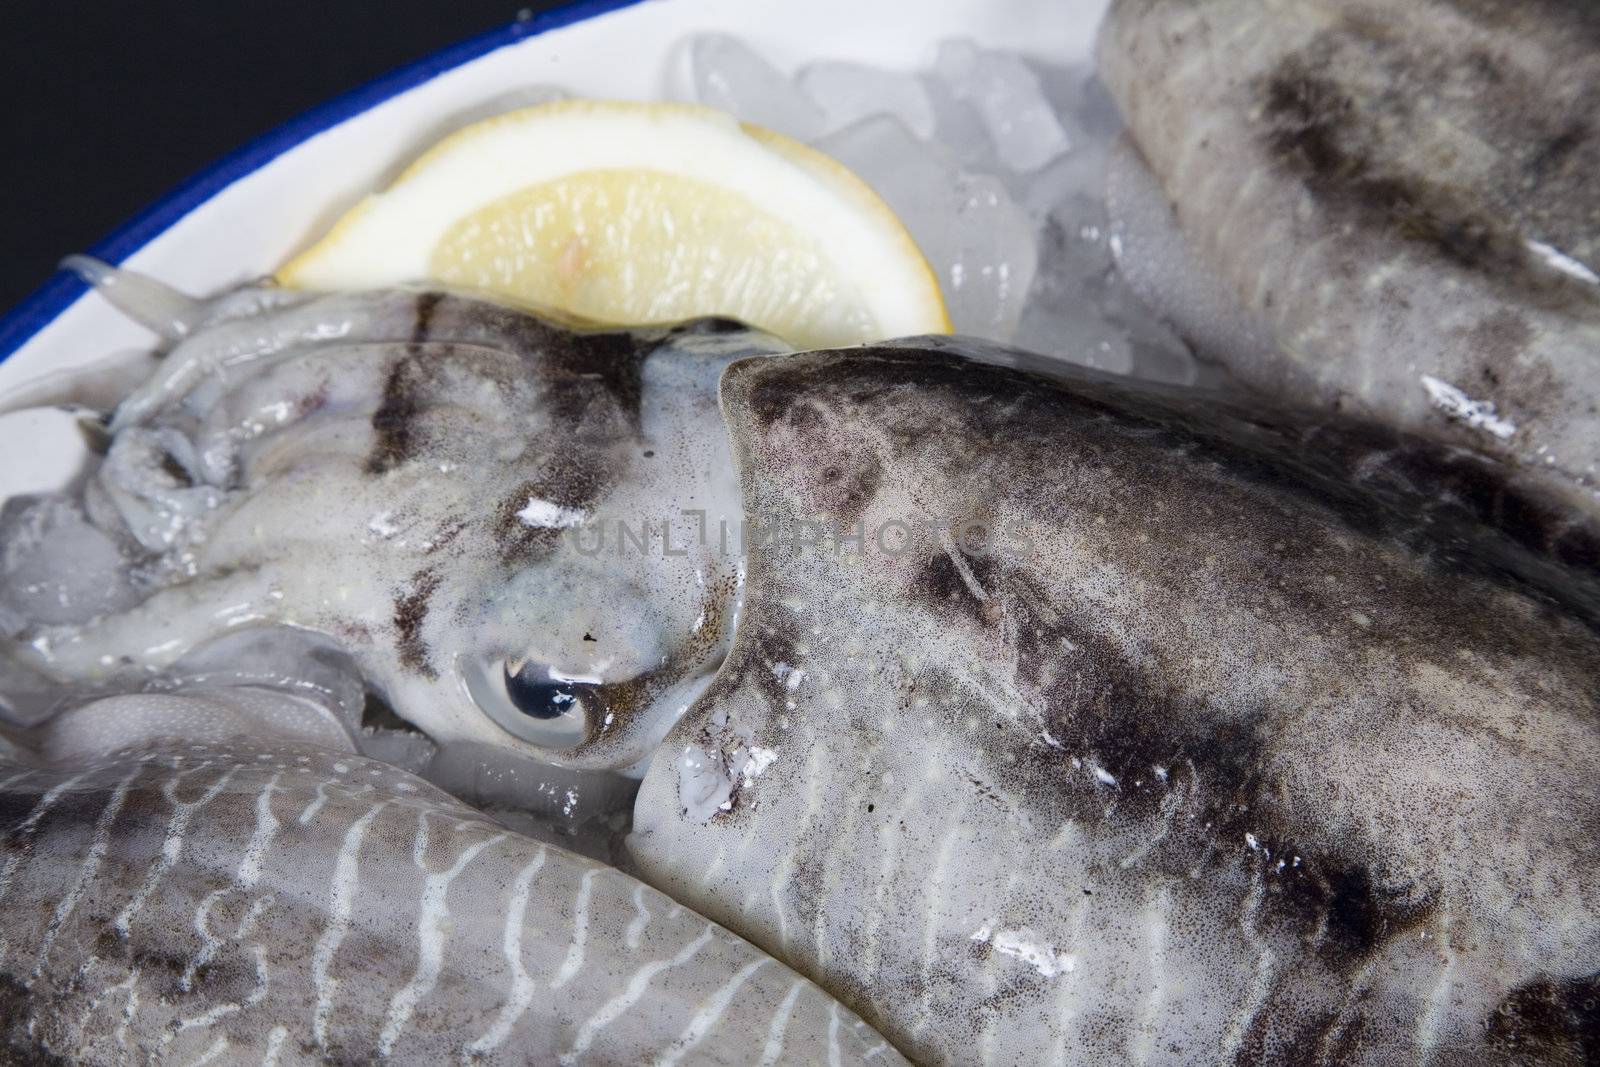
x: 1176, y: 735
x: 1387, y: 208
x: 255, y: 897
x: 1035, y: 718
x: 406, y: 473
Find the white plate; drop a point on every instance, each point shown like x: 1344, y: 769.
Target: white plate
x: 243, y: 216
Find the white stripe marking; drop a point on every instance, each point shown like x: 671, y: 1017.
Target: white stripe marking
x: 1261, y: 987
x: 341, y: 901
x: 613, y: 1009
x: 521, y: 994
x: 431, y: 918
x: 86, y: 872
x: 636, y: 928
x: 211, y: 943
x: 780, y: 877
x: 266, y: 828
x: 930, y: 907
x: 708, y: 1015
x: 580, y: 930
x: 275, y: 1039
x: 218, y: 1047
x: 172, y: 845
x: 24, y: 829
x: 1438, y: 1003
x: 1154, y: 1014
x: 222, y: 1011
x: 780, y: 1024
x: 316, y: 804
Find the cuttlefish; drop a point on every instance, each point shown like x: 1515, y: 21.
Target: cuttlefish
x: 1121, y: 725
x: 496, y: 515
x: 1376, y: 207
x: 257, y: 891
x: 1033, y: 716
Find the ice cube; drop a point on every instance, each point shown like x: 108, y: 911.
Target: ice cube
x: 1067, y: 197
x: 1074, y: 332
x: 1080, y: 308
x: 55, y: 567
x: 1099, y: 322
x: 1063, y: 316
x: 958, y: 128
x: 1080, y: 99
x: 1006, y: 93
x: 849, y: 92
x: 978, y: 240
x: 724, y: 72
x: 1074, y: 181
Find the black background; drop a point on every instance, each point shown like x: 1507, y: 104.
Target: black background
x: 103, y: 107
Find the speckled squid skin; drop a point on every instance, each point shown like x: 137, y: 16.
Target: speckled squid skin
x: 1366, y: 178
x: 247, y: 902
x: 1193, y: 758
x: 402, y: 471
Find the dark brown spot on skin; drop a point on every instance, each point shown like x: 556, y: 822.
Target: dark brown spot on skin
x: 1577, y: 548
x: 410, y: 609
x: 1520, y: 380
x: 580, y: 368
x: 1550, y: 1021
x: 941, y: 585
x: 1341, y: 114
x: 1557, y: 149
x: 313, y: 401
x: 1311, y: 123
x: 1360, y: 915
x: 15, y: 804
x: 446, y: 536
x: 571, y: 485
x: 840, y: 474
x: 393, y: 424
x: 17, y: 1040
x: 1577, y: 17
x: 844, y: 488
x: 426, y: 305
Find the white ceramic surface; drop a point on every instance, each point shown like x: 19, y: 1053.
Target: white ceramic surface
x: 246, y: 215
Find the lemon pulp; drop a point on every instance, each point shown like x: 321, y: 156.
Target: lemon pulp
x: 629, y: 213
x: 645, y: 246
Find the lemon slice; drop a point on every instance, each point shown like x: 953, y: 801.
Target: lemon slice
x: 640, y: 213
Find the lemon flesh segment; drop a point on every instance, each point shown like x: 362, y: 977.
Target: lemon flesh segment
x: 645, y: 246
x: 640, y: 213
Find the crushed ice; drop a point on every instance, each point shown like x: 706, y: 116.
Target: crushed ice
x: 995, y: 162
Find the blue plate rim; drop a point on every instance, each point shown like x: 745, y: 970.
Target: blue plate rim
x: 45, y: 304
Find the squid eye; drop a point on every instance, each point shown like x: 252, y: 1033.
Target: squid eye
x: 527, y: 702
x: 541, y: 699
